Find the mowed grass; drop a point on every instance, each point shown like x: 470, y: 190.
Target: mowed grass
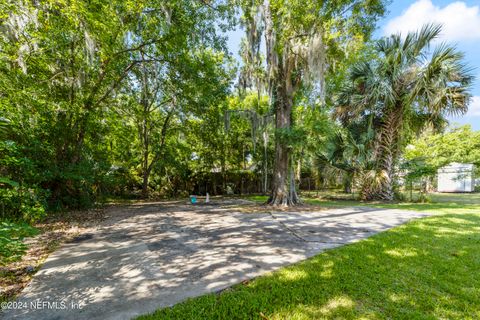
x: 425, y: 269
x: 440, y: 203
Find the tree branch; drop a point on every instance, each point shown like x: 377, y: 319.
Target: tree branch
x: 163, y: 137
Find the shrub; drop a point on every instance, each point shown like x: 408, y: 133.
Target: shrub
x: 19, y: 203
x: 11, y: 240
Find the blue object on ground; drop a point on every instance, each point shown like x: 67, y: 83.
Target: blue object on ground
x: 193, y: 199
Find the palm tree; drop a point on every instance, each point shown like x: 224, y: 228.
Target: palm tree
x: 407, y: 87
x: 349, y: 151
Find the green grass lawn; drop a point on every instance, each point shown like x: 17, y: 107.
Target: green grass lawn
x: 440, y: 203
x: 425, y: 269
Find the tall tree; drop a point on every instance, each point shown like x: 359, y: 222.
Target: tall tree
x: 63, y: 67
x: 406, y: 88
x: 297, y: 34
x: 168, y: 94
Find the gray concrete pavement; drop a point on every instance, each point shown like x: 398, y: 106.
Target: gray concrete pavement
x: 148, y: 256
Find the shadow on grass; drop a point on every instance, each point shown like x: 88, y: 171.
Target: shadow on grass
x: 436, y: 207
x: 426, y: 269
x: 441, y: 203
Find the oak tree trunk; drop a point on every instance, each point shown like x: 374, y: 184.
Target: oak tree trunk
x: 283, y: 191
x: 284, y: 81
x: 145, y: 178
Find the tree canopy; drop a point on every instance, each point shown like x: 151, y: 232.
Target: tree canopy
x: 142, y: 99
x: 460, y: 144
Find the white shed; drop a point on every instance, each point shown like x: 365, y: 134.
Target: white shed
x: 456, y: 177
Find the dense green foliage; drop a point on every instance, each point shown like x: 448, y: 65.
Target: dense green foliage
x: 11, y: 240
x: 456, y: 145
x: 96, y: 95
x: 302, y: 39
x: 133, y: 99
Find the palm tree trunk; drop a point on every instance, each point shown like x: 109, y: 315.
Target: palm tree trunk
x: 387, y: 154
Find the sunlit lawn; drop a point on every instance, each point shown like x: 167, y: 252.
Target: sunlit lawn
x: 425, y: 269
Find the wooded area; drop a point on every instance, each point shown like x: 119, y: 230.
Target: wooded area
x: 142, y: 99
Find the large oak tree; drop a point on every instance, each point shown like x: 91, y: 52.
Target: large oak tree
x: 301, y: 39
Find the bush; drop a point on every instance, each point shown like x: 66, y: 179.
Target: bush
x: 11, y: 240
x: 21, y: 203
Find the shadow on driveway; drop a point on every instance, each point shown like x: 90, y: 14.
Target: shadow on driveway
x: 153, y: 255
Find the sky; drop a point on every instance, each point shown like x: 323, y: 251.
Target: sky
x: 461, y: 26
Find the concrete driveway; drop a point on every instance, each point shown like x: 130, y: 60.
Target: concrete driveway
x: 148, y: 256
